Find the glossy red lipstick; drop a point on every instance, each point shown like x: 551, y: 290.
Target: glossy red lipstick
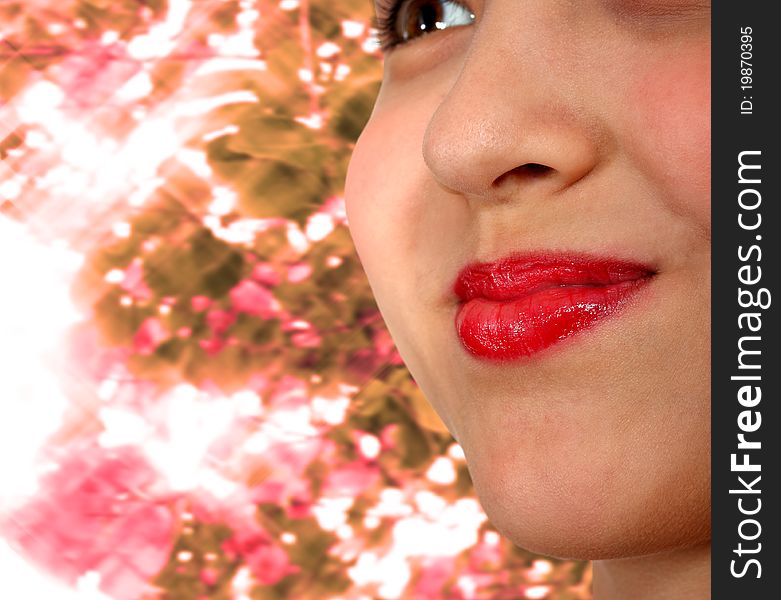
x: 519, y: 305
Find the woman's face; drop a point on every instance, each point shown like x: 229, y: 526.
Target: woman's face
x: 553, y: 156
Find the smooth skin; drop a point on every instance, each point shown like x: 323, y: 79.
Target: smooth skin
x: 559, y: 126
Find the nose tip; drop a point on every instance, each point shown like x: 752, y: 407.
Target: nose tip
x: 510, y: 148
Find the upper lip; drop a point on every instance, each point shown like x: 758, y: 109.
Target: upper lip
x: 516, y: 276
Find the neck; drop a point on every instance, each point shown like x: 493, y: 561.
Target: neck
x: 678, y: 575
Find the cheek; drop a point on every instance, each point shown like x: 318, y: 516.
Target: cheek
x: 385, y: 185
x: 670, y: 111
x: 384, y: 211
x: 375, y: 205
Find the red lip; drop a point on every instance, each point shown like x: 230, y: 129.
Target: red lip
x: 519, y: 305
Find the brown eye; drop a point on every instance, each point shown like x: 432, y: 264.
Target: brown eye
x: 418, y: 17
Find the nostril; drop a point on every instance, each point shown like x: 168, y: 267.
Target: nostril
x: 527, y: 171
x: 534, y: 169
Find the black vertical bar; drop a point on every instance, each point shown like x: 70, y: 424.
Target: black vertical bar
x: 746, y: 299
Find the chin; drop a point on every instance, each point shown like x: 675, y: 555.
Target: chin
x: 574, y: 511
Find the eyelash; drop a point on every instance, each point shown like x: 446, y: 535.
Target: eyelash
x: 388, y: 12
x: 385, y: 23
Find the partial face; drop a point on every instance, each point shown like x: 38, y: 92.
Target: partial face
x: 531, y: 202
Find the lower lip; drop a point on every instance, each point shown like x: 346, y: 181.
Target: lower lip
x: 511, y: 329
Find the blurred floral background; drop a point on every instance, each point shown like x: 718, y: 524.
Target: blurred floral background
x: 198, y: 397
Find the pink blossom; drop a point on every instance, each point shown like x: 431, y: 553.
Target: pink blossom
x: 150, y: 245
x: 133, y: 282
x: 383, y: 343
x: 385, y: 347
x: 270, y: 492
x: 149, y: 336
x: 335, y: 207
x: 433, y: 577
x: 305, y: 335
x: 363, y: 363
x: 293, y: 494
x: 237, y: 511
x: 351, y: 480
x: 290, y: 393
x: 91, y: 76
x: 485, y: 555
x: 299, y: 272
x: 296, y: 325
x: 220, y: 320
x: 298, y: 509
x: 244, y: 541
x: 292, y: 456
x: 265, y: 274
x: 209, y: 576
x: 389, y: 435
x: 252, y: 298
x: 258, y: 383
x: 224, y: 446
x: 212, y: 346
x: 306, y: 339
x: 89, y: 356
x: 200, y: 303
x: 98, y: 511
x: 269, y: 564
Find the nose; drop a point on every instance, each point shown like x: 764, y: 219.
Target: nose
x: 512, y: 120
